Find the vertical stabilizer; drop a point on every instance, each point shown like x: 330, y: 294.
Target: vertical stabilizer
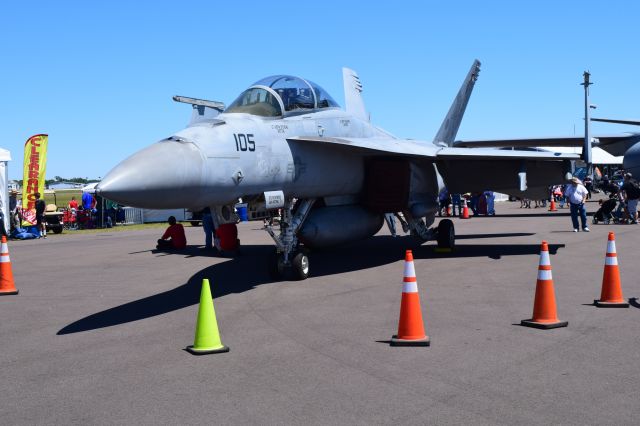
x: 354, y: 104
x: 451, y: 124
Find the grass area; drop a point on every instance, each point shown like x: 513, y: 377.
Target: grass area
x: 118, y: 228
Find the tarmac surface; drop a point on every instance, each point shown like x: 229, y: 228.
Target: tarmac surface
x: 98, y: 331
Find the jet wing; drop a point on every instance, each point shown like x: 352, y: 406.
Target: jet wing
x: 613, y: 144
x: 411, y: 148
x: 520, y: 142
x: 520, y: 173
x: 611, y: 120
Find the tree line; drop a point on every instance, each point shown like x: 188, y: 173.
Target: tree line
x: 58, y: 179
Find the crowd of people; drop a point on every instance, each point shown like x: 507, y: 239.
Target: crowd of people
x: 479, y: 203
x: 90, y: 212
x: 621, y: 206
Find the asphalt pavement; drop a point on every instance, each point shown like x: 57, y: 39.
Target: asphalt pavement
x: 97, y: 333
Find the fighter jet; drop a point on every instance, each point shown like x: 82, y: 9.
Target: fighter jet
x: 287, y: 148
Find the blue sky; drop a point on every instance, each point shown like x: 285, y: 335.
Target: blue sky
x: 98, y: 77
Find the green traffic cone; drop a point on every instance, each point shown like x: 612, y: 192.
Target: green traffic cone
x: 207, y: 339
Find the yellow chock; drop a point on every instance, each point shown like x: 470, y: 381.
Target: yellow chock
x: 442, y: 250
x: 207, y: 340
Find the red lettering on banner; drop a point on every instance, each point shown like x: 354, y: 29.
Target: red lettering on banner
x: 32, y: 185
x: 33, y: 174
x: 36, y: 141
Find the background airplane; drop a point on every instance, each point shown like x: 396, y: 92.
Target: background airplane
x: 284, y: 144
x: 629, y: 147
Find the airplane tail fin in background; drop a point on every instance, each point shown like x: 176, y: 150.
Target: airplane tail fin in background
x: 352, y: 94
x: 451, y: 124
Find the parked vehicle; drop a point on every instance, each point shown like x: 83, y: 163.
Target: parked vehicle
x: 53, y: 219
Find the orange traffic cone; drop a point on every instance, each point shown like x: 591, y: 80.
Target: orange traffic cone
x: 544, y: 305
x: 552, y: 206
x: 465, y: 210
x: 7, y: 286
x: 611, y: 295
x: 410, y: 326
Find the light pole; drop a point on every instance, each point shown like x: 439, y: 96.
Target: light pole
x: 586, y: 148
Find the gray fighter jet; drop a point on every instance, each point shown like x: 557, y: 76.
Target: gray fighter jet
x: 285, y: 147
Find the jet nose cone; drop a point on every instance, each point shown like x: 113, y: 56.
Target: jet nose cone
x: 167, y: 174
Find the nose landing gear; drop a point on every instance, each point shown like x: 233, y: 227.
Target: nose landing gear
x: 288, y: 256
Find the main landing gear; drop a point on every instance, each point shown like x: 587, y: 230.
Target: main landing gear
x: 289, y: 258
x: 444, y: 234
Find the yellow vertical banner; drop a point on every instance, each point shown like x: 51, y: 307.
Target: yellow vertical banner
x: 33, y: 177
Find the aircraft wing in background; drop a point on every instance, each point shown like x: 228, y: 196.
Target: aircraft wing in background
x: 614, y: 144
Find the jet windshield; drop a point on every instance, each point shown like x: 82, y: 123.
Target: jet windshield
x: 272, y: 96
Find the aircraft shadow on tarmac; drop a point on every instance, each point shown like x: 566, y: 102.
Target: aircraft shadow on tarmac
x: 249, y: 270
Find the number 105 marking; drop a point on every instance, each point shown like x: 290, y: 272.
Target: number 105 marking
x: 244, y: 142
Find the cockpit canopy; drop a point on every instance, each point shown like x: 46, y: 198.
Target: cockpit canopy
x: 280, y: 95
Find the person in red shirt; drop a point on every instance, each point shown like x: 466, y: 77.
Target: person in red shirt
x: 73, y: 204
x: 227, y: 239
x: 173, y: 237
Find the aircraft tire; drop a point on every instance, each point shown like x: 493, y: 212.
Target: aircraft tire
x: 300, y: 266
x: 446, y: 234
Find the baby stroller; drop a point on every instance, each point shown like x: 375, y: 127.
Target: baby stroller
x: 604, y: 213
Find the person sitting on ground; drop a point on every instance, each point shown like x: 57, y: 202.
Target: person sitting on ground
x: 226, y: 240
x: 173, y: 237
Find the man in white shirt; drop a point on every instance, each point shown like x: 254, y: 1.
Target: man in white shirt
x: 576, y: 193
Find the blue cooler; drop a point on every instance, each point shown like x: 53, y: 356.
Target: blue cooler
x: 242, y: 212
